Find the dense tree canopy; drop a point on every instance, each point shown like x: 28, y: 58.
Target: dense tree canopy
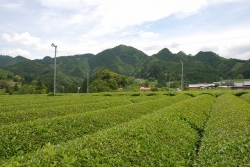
x: 117, y: 64
x: 106, y: 80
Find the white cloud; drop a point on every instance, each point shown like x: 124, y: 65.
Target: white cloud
x: 113, y: 15
x: 209, y: 48
x: 238, y: 49
x: 24, y: 39
x: 81, y: 26
x: 15, y: 52
x: 12, y: 6
x: 230, y: 43
x: 121, y: 14
x: 66, y: 4
x: 148, y: 34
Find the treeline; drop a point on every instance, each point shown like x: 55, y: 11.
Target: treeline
x: 102, y: 81
x: 163, y: 68
x: 105, y: 80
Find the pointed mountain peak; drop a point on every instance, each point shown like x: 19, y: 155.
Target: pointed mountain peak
x: 208, y: 54
x: 165, y: 50
x: 124, y: 48
x: 181, y: 53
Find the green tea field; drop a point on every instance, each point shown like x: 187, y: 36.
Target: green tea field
x: 195, y: 128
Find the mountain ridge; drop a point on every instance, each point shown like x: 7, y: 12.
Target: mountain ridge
x: 127, y: 60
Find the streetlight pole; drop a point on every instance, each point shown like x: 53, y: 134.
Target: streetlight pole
x: 87, y: 80
x: 54, y: 69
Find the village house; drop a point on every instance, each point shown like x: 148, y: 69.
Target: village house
x: 245, y: 85
x: 201, y: 86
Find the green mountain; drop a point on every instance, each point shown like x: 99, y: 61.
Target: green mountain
x: 6, y: 74
x: 209, y: 58
x: 129, y: 61
x: 73, y: 69
x: 243, y: 67
x: 7, y: 60
x: 120, y: 59
x: 70, y: 69
x: 202, y: 67
x: 74, y: 66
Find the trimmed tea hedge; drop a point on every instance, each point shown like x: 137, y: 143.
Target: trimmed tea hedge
x: 17, y: 139
x: 183, y: 130
x: 226, y: 141
x: 157, y: 139
x: 56, y: 111
x: 32, y: 110
x: 246, y: 97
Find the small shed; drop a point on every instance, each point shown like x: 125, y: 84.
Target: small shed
x: 201, y: 86
x: 245, y: 85
x: 144, y: 88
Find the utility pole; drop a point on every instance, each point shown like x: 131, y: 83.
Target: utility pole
x: 169, y: 82
x: 87, y: 80
x: 54, y: 69
x: 181, y: 75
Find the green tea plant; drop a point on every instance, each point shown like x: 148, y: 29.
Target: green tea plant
x: 159, y: 138
x: 182, y: 130
x: 246, y: 97
x: 17, y: 139
x: 33, y: 113
x: 226, y: 140
x: 37, y: 107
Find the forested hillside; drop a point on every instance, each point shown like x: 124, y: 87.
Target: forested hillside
x: 7, y: 60
x: 163, y: 66
x: 121, y: 59
x: 202, y: 67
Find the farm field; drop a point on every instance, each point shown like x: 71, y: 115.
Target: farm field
x: 193, y: 128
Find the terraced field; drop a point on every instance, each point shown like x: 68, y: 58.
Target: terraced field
x: 185, y: 129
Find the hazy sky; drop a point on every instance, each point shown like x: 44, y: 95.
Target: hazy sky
x: 28, y: 27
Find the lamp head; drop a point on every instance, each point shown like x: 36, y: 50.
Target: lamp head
x: 53, y: 45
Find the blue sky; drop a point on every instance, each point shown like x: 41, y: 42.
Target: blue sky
x: 28, y: 27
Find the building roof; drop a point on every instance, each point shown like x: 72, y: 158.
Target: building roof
x: 201, y: 85
x: 195, y: 85
x: 246, y: 83
x: 238, y: 84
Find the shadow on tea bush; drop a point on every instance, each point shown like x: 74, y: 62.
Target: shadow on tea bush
x: 205, y: 93
x: 240, y: 93
x: 136, y: 94
x: 169, y: 94
x: 107, y: 94
x: 151, y: 94
x: 218, y: 94
x: 52, y: 94
x: 190, y: 94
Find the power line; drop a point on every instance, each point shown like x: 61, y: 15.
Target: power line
x: 213, y: 40
x: 168, y: 44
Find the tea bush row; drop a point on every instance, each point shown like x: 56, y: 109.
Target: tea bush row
x: 31, y: 112
x: 27, y: 102
x: 54, y: 111
x: 226, y: 141
x: 17, y: 139
x: 160, y: 138
x: 246, y: 97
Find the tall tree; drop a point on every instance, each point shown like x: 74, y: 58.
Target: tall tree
x: 16, y: 78
x: 40, y: 87
x: 50, y: 86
